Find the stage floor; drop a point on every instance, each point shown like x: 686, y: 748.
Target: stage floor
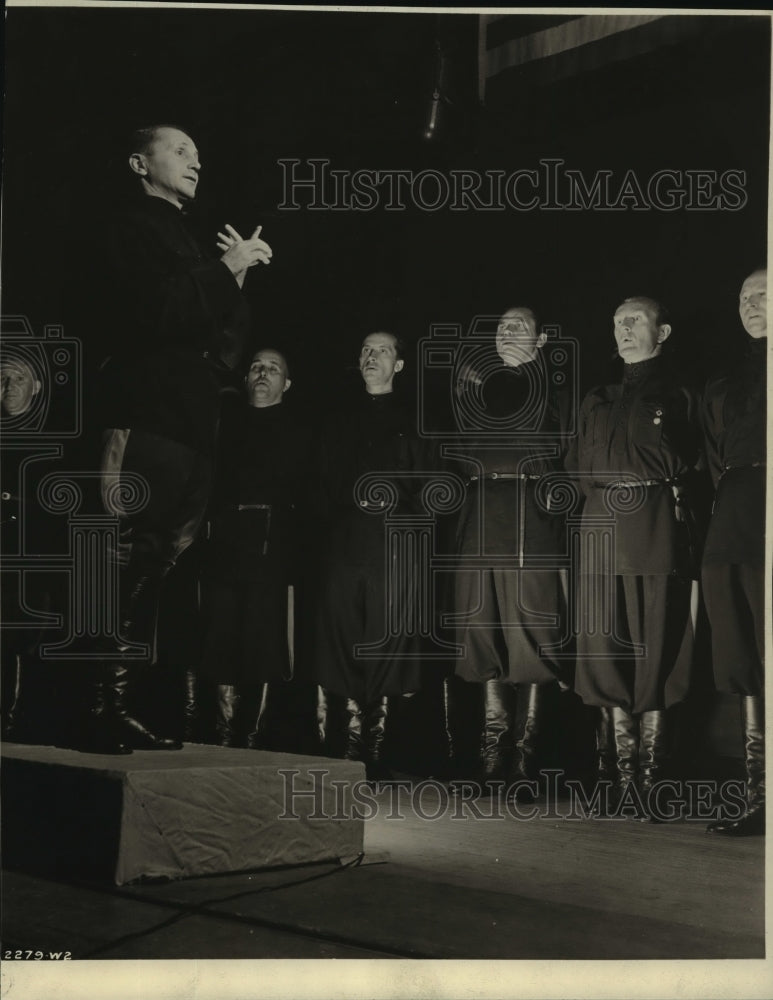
x: 454, y: 887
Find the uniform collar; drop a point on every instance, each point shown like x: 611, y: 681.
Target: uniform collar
x: 641, y: 369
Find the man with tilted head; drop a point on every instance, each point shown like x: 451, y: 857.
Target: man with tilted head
x: 514, y: 609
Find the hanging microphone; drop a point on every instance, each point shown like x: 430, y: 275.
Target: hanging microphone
x: 429, y: 132
x: 437, y: 91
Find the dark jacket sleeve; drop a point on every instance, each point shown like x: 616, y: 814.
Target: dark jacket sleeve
x: 169, y: 289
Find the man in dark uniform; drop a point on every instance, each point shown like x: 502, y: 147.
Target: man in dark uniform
x: 19, y: 387
x: 637, y: 446
x: 515, y: 608
x: 359, y: 598
x: 176, y: 314
x: 263, y: 467
x: 734, y: 415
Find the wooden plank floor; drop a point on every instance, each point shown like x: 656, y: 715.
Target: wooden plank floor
x: 453, y: 888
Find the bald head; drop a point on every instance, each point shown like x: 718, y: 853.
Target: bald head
x: 753, y: 304
x: 268, y: 378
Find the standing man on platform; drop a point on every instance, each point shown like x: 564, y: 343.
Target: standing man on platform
x: 638, y: 444
x: 513, y: 608
x: 734, y: 414
x: 176, y: 316
x: 360, y: 600
x: 264, y: 458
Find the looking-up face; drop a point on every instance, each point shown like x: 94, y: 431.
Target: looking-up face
x: 379, y: 362
x: 18, y: 386
x: 637, y: 332
x: 169, y: 168
x: 517, y: 339
x: 753, y: 304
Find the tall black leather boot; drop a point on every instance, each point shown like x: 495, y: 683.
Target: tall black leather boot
x: 226, y: 719
x: 112, y: 730
x: 462, y: 702
x: 653, y: 753
x: 451, y: 755
x: 138, y: 614
x: 133, y: 733
x: 605, y: 746
x: 322, y: 710
x: 375, y: 724
x: 191, y: 707
x: 525, y: 769
x: 256, y: 738
x: 753, y: 820
x: 497, y: 733
x: 103, y: 732
x: 653, y: 748
x: 11, y: 727
x: 625, y: 729
x: 355, y: 748
x: 526, y: 760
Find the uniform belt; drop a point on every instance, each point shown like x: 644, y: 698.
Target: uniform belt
x: 504, y: 475
x: 632, y: 483
x: 746, y: 465
x: 260, y: 506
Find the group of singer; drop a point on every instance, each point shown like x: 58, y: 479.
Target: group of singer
x: 311, y: 527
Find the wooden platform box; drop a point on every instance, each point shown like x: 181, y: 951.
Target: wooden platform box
x: 197, y: 811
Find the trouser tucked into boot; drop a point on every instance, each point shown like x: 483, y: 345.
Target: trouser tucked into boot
x: 753, y: 725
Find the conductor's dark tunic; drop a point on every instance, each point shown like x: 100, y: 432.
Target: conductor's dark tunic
x: 174, y: 312
x: 636, y: 587
x: 513, y: 610
x: 367, y: 641
x: 734, y: 416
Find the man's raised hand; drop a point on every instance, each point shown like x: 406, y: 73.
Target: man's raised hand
x: 239, y: 254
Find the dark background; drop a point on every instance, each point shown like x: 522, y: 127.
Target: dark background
x: 253, y: 87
